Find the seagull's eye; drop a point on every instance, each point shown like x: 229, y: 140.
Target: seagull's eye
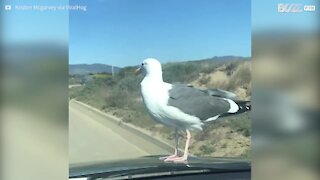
x: 142, y: 64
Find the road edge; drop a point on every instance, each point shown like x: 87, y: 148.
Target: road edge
x: 134, y: 129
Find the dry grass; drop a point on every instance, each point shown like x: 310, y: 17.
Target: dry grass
x: 223, y: 142
x: 235, y: 77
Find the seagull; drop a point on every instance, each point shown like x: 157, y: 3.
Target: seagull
x: 182, y: 106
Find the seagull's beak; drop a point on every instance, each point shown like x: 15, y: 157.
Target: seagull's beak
x: 137, y: 71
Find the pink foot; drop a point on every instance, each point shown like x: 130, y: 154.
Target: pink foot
x: 176, y: 159
x: 180, y: 160
x: 168, y: 157
x: 172, y: 158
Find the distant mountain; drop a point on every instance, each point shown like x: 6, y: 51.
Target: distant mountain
x: 224, y: 58
x: 91, y: 68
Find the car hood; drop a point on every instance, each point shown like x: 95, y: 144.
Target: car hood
x: 152, y: 163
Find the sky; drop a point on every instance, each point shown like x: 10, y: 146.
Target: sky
x: 125, y: 32
x: 27, y: 26
x: 265, y: 16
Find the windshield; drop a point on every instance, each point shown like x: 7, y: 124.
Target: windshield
x: 189, y: 101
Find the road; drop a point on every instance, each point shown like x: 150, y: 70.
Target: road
x: 93, y: 138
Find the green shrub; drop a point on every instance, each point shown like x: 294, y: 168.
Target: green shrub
x: 240, y: 123
x: 180, y: 72
x: 206, y: 149
x: 246, y: 153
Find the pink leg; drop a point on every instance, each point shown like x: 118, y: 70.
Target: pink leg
x: 184, y: 158
x: 167, y: 158
x: 175, y: 155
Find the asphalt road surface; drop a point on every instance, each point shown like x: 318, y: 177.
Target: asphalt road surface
x: 95, y: 138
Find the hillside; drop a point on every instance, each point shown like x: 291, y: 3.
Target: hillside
x: 120, y: 96
x: 83, y: 69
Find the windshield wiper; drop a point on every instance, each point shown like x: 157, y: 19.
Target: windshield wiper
x: 167, y: 170
x: 150, y: 166
x: 158, y: 171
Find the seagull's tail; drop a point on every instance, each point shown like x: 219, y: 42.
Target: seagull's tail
x: 243, y: 106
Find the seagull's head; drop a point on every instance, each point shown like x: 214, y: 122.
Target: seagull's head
x: 150, y: 67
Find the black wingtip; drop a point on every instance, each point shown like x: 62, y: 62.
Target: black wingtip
x: 244, y: 106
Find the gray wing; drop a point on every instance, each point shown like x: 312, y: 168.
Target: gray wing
x: 221, y: 93
x: 197, y: 102
x: 218, y: 93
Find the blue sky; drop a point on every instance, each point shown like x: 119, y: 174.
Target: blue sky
x: 265, y: 16
x: 124, y: 32
x: 23, y: 27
